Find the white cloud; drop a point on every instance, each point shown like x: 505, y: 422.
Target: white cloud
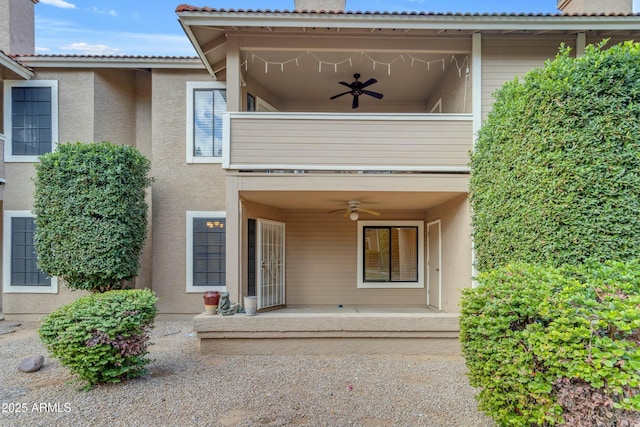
x: 91, y: 49
x: 42, y: 49
x: 59, y: 3
x: 104, y: 11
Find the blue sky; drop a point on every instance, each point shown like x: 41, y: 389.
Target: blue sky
x: 150, y: 27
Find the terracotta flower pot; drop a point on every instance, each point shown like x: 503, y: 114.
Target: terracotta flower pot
x: 211, y: 299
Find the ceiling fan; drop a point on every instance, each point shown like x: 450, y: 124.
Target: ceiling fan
x: 353, y: 210
x: 357, y: 88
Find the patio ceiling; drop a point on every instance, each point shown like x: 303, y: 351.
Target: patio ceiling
x: 325, y: 201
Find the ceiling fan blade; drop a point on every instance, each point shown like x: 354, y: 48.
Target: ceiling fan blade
x: 346, y: 84
x: 374, y: 94
x: 337, y: 210
x: 347, y: 212
x: 370, y: 212
x: 340, y: 94
x: 355, y: 102
x: 369, y: 82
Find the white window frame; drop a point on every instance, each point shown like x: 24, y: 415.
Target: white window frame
x: 191, y: 87
x: 191, y: 215
x: 391, y: 285
x: 6, y: 260
x: 8, y: 84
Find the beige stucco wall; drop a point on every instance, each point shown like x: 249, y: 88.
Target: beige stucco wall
x: 179, y: 187
x: 115, y: 107
x: 108, y: 105
x: 595, y: 6
x: 17, y: 26
x: 75, y: 93
x: 143, y: 144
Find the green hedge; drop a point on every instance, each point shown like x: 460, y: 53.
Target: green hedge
x: 547, y: 345
x: 555, y: 173
x: 91, y: 214
x: 102, y: 337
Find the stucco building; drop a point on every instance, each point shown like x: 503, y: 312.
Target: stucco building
x: 315, y: 158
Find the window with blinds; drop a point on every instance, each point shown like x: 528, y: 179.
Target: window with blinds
x: 206, y: 251
x: 208, y: 107
x: 391, y: 254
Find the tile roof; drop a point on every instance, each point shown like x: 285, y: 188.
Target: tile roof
x: 12, y: 58
x: 15, y: 57
x: 190, y: 8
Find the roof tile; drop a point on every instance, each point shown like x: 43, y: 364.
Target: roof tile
x: 190, y: 8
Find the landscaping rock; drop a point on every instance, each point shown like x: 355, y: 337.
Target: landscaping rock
x: 31, y: 364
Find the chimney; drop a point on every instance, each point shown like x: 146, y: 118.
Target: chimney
x: 570, y: 7
x: 17, y: 29
x: 318, y: 5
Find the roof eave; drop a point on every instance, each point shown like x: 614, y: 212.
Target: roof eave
x: 16, y: 67
x: 196, y: 46
x: 411, y: 21
x: 63, y: 61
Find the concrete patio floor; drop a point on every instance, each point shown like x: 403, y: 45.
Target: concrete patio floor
x: 331, y: 330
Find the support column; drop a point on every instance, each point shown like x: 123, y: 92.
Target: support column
x: 234, y: 83
x: 581, y: 44
x: 233, y: 240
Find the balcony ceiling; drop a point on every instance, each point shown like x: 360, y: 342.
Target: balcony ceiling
x: 294, y: 76
x: 303, y: 77
x: 306, y: 80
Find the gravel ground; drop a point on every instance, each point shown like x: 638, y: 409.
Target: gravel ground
x: 183, y: 388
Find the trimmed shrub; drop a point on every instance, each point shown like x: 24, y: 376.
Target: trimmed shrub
x: 102, y: 337
x: 555, y: 173
x: 548, y: 346
x: 91, y: 214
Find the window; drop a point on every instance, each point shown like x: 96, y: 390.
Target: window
x: 31, y: 119
x: 206, y: 104
x: 251, y: 102
x: 390, y: 255
x: 20, y: 269
x: 206, y: 251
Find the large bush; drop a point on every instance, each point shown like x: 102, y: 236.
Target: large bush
x: 102, y: 337
x: 550, y: 346
x: 91, y: 214
x: 555, y: 174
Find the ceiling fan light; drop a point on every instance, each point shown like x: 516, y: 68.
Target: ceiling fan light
x: 354, y: 216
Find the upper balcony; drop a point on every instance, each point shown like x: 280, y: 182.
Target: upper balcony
x: 306, y: 111
x: 339, y: 97
x: 353, y: 142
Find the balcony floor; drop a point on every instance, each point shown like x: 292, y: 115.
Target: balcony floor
x: 331, y: 330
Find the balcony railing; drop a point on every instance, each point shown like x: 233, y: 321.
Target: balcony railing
x: 339, y: 142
